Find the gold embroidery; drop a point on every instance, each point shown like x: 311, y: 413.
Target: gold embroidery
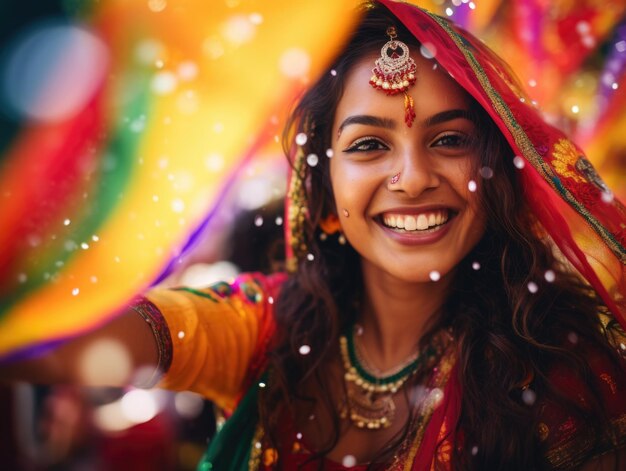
x: 608, y: 379
x: 444, y: 452
x: 564, y: 156
x: 571, y: 451
x: 544, y: 431
x: 270, y: 457
x: 257, y: 449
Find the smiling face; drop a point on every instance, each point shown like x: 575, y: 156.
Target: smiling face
x: 405, y: 189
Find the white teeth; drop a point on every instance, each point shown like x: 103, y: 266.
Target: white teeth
x: 420, y: 222
x: 410, y: 224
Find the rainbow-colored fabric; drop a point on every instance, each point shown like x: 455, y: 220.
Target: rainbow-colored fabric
x: 129, y: 120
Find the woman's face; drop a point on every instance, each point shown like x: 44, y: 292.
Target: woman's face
x: 429, y: 219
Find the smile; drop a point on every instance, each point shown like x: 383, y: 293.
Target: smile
x: 416, y: 222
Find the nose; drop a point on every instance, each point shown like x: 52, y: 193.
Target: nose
x: 414, y: 173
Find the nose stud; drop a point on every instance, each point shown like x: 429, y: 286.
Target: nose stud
x: 395, y: 178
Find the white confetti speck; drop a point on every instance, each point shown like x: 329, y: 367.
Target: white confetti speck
x: 435, y: 275
x: 301, y: 139
x: 75, y: 292
x: 84, y: 245
x: 279, y: 221
x: 532, y: 287
x: 178, y: 205
x: 471, y: 186
x: 299, y: 436
x: 164, y: 82
x: 550, y: 276
x: 261, y: 384
x: 255, y: 18
x: 486, y: 173
x: 187, y: 70
x: 312, y: 160
x: 330, y: 153
x: 572, y: 337
x: 588, y: 41
x: 476, y: 266
x: 295, y: 63
x: 67, y: 222
x: 258, y: 221
x: 181, y: 335
x: 304, y: 350
x: 348, y: 461
x: 519, y: 162
x: 607, y: 196
x: 474, y: 450
x: 529, y: 397
x: 582, y: 27
x: 333, y: 72
x: 310, y: 257
x: 270, y: 299
x: 21, y: 278
x: 428, y: 50
x: 157, y: 5
x: 95, y: 238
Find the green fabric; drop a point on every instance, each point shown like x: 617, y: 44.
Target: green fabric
x: 230, y: 448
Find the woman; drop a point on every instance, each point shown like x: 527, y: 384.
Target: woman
x: 456, y: 275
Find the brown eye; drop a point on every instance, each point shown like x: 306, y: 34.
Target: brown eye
x: 452, y: 140
x: 366, y: 144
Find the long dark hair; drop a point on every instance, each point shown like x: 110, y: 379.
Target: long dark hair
x: 508, y: 338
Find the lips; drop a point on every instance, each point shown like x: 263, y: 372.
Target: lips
x: 416, y: 222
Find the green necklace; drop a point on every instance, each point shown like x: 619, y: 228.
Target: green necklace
x: 369, y: 399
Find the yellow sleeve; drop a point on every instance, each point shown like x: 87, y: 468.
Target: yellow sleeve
x: 217, y: 335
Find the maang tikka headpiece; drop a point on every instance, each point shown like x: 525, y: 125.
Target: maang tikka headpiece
x: 394, y: 72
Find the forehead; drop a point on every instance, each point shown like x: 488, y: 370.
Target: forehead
x: 434, y: 91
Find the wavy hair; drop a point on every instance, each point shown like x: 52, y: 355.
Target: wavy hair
x: 508, y: 338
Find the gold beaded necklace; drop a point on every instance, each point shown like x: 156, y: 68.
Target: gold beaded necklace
x: 369, y: 400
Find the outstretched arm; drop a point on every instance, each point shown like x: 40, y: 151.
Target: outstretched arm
x: 111, y: 355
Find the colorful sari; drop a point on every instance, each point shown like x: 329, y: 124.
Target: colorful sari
x: 571, y: 202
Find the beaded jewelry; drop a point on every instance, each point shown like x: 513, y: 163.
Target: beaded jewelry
x: 369, y: 399
x: 394, y: 72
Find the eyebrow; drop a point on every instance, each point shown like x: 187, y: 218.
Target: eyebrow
x: 448, y: 115
x: 367, y: 120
